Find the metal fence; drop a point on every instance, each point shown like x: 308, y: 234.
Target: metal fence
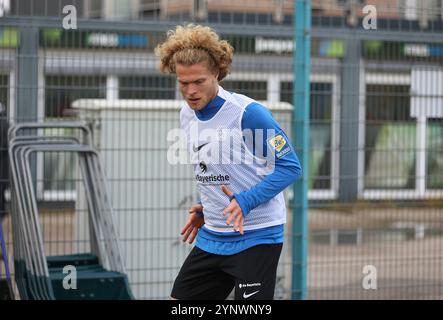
x: 376, y: 131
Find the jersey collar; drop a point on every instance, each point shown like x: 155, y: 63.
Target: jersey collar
x: 212, y: 107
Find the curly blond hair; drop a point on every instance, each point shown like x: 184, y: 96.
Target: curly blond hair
x: 191, y: 44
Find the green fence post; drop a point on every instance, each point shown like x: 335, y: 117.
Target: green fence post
x: 301, y: 65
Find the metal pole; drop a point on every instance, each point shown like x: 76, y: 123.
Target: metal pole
x: 27, y: 85
x: 27, y: 75
x: 349, y: 113
x: 300, y: 131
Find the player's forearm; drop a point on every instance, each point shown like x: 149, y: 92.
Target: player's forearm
x: 285, y: 173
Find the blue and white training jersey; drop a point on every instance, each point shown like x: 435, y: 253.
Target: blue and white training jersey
x: 234, y: 141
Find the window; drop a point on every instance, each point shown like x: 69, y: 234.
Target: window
x: 43, y: 7
x: 390, y: 138
x: 200, y: 10
x: 147, y: 87
x: 343, y: 3
x: 5, y: 7
x: 4, y: 88
x: 95, y: 9
x: 254, y: 89
x: 434, y: 154
x: 61, y: 91
x: 320, y: 126
x: 403, y: 134
x: 149, y: 9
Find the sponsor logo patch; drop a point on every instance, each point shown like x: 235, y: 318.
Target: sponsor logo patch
x: 277, y: 142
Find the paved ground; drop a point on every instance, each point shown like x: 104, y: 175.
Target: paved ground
x: 404, y: 245
x: 411, y: 269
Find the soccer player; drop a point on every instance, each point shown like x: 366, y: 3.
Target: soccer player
x: 239, y: 224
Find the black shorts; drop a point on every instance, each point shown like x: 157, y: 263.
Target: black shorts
x: 207, y: 276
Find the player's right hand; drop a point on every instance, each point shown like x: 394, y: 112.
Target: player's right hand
x: 195, y: 222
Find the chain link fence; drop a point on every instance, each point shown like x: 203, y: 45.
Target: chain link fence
x: 376, y: 130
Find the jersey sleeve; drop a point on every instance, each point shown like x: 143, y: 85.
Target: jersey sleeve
x: 287, y: 166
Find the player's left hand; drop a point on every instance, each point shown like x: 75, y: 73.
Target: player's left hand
x: 234, y: 211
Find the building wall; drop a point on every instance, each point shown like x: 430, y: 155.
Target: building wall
x: 163, y: 9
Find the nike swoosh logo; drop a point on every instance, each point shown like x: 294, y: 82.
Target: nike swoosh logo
x: 197, y: 149
x: 246, y: 296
